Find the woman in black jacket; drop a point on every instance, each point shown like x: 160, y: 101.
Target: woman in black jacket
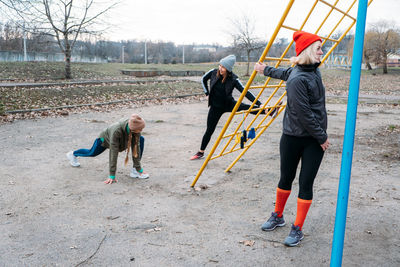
x: 304, y: 130
x: 220, y: 99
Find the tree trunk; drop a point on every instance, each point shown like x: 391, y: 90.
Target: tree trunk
x: 385, y: 70
x: 68, y: 52
x: 68, y: 74
x: 366, y: 59
x: 248, y: 63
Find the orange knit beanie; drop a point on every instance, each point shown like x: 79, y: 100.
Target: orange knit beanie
x: 303, y: 40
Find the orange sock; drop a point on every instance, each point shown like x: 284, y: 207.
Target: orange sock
x: 302, y: 208
x: 281, y: 198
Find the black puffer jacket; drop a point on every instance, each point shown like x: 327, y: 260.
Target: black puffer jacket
x: 230, y: 83
x: 305, y: 113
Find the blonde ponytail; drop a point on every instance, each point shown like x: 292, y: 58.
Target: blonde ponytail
x: 127, y: 150
x: 135, y: 147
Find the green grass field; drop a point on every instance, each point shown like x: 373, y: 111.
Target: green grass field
x: 40, y: 71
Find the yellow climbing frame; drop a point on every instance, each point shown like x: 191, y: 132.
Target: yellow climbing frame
x: 333, y: 18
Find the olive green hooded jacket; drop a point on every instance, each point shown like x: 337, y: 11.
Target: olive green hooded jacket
x: 116, y: 140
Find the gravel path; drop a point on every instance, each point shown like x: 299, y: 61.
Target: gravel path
x: 55, y: 215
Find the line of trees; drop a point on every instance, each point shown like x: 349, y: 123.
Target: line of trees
x: 69, y: 26
x: 63, y: 20
x: 12, y: 39
x: 381, y: 39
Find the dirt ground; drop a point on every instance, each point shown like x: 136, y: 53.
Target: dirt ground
x: 55, y: 215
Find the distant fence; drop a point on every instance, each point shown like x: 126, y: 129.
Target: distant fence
x: 155, y: 72
x: 343, y: 62
x: 13, y: 56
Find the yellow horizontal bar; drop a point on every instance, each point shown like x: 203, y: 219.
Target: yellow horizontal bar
x: 326, y: 17
x: 340, y: 21
x: 217, y: 156
x: 322, y: 37
x: 252, y: 141
x: 256, y: 128
x: 266, y: 86
x: 337, y: 9
x: 277, y: 59
x: 230, y: 151
x: 225, y: 153
x: 268, y: 123
x: 290, y: 28
x: 246, y: 111
x: 330, y: 39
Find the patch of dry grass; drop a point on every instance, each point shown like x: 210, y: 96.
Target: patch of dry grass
x: 26, y: 98
x: 23, y: 98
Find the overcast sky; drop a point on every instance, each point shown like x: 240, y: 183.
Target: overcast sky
x: 209, y: 21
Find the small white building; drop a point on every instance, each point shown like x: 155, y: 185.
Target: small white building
x: 211, y: 49
x: 393, y: 60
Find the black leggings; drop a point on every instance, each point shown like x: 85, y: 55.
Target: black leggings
x: 292, y: 149
x: 214, y: 114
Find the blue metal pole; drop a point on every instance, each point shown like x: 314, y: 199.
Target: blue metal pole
x: 348, y: 142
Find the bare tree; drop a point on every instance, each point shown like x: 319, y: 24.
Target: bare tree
x: 382, y: 39
x: 65, y: 20
x: 368, y: 50
x: 10, y: 37
x: 244, y: 38
x: 279, y: 47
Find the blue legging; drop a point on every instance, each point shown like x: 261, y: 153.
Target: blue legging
x: 97, y: 149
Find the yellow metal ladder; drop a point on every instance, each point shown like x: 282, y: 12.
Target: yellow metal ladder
x: 333, y: 18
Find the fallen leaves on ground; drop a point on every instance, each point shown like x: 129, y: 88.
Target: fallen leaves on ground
x: 7, y: 118
x: 248, y: 243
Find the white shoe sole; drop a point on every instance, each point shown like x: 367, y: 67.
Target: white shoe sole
x: 69, y: 157
x: 137, y: 176
x: 278, y: 225
x: 294, y: 244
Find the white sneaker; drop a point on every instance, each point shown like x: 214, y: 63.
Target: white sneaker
x: 136, y: 174
x: 72, y: 159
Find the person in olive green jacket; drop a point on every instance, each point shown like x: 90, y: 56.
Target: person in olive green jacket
x: 120, y: 136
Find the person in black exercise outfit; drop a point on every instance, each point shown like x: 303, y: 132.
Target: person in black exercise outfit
x: 304, y: 135
x: 220, y: 99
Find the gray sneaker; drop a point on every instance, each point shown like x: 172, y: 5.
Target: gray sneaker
x: 294, y: 237
x: 273, y: 222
